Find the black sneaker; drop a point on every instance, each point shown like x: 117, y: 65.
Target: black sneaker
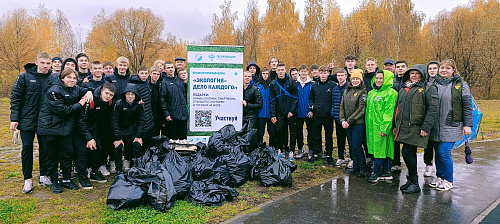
x: 373, y: 178
x: 329, y: 160
x: 85, y: 184
x: 351, y: 171
x: 97, y: 177
x: 385, y: 176
x: 56, y: 187
x: 362, y: 173
x: 70, y: 185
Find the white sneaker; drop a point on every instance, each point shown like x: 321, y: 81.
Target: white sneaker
x: 445, y: 186
x: 104, y: 171
x: 290, y: 156
x: 44, y: 181
x: 350, y: 164
x: 126, y: 165
x: 112, y: 167
x: 28, y: 186
x: 428, y: 171
x: 340, y: 162
x: 436, y: 182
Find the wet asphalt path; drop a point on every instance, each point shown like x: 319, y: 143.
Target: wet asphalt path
x: 348, y: 199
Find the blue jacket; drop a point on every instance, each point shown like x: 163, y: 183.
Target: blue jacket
x: 303, y: 92
x: 337, y: 93
x: 265, y: 111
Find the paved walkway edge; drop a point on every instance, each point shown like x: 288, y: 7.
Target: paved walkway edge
x: 244, y: 213
x: 481, y: 216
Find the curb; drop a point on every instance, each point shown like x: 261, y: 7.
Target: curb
x: 483, y: 214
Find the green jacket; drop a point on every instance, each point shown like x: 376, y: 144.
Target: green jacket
x: 379, y: 113
x: 416, y: 109
x: 353, y: 105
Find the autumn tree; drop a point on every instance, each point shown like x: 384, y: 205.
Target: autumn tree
x: 312, y: 31
x: 332, y: 47
x: 252, y: 29
x: 223, y: 29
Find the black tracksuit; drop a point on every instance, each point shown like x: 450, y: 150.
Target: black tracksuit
x: 93, y: 84
x: 25, y: 103
x: 283, y: 100
x: 144, y: 91
x: 254, y: 103
x: 120, y: 82
x: 173, y: 104
x: 127, y: 124
x: 91, y: 122
x: 320, y: 102
x: 56, y: 123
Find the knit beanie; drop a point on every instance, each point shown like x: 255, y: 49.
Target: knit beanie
x: 357, y: 73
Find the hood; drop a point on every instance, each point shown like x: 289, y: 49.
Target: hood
x: 308, y: 80
x: 388, y: 80
x: 69, y: 60
x: 252, y: 62
x: 442, y: 81
x: 130, y: 88
x: 420, y: 68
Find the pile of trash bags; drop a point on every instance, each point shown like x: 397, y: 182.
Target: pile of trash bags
x: 207, y: 175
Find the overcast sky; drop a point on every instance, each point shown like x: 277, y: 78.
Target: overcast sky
x: 187, y: 19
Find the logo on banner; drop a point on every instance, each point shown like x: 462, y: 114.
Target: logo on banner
x: 198, y: 57
x: 211, y: 56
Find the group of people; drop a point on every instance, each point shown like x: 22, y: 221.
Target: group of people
x: 91, y: 115
x: 377, y: 110
x: 99, y: 118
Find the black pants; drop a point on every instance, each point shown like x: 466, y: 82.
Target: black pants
x: 129, y: 150
x: 397, y: 154
x: 108, y: 149
x: 155, y: 131
x: 429, y: 153
x: 284, y: 123
x: 300, y: 134
x: 317, y: 124
x: 410, y: 157
x: 271, y: 130
x: 341, y: 134
x: 175, y: 129
x: 84, y: 157
x: 365, y: 147
x: 59, y: 151
x: 251, y: 119
x: 27, y: 138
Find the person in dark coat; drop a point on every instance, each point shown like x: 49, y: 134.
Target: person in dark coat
x: 127, y: 123
x: 273, y: 64
x: 82, y: 60
x: 283, y: 105
x: 389, y: 65
x: 371, y: 69
x: 180, y: 62
x: 417, y: 108
x: 304, y: 84
x: 108, y: 68
x: 401, y: 68
x: 142, y: 85
x: 87, y: 137
x: 56, y: 64
x: 432, y: 70
x: 154, y: 86
x: 174, y: 105
x: 25, y: 104
x: 320, y: 102
x: 350, y: 64
x: 340, y: 132
x: 96, y: 78
x: 252, y: 100
x: 121, y: 77
x: 253, y: 68
x: 56, y: 122
x: 264, y: 114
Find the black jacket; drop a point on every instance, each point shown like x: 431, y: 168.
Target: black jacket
x: 59, y: 109
x: 128, y: 119
x: 273, y: 75
x: 156, y: 101
x: 320, y: 98
x: 26, y: 97
x: 82, y: 76
x: 173, y: 98
x: 398, y: 83
x: 254, y: 102
x: 144, y: 92
x: 367, y: 79
x: 120, y: 82
x: 94, y: 116
x: 282, y: 102
x: 93, y: 84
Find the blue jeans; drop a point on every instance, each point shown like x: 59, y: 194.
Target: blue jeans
x: 355, y: 136
x: 444, y: 162
x: 382, y: 165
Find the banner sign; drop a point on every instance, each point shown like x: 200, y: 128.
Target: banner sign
x: 215, y: 89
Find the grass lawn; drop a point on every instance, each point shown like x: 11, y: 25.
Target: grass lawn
x: 89, y: 206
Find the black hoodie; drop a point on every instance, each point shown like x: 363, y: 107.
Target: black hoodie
x: 257, y: 72
x: 26, y: 97
x: 94, y: 116
x: 128, y: 119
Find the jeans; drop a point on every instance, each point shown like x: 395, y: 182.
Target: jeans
x: 444, y: 162
x: 382, y: 165
x: 28, y: 137
x: 341, y: 134
x: 271, y: 130
x: 429, y: 153
x: 410, y: 157
x: 355, y: 136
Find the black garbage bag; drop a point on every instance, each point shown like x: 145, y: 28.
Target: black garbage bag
x: 153, y: 165
x: 209, y: 193
x: 204, y: 168
x: 123, y: 194
x: 249, y: 135
x: 141, y: 161
x: 221, y: 141
x: 238, y: 166
x: 180, y: 172
x: 271, y: 170
x: 161, y: 192
x: 140, y: 177
x: 261, y: 158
